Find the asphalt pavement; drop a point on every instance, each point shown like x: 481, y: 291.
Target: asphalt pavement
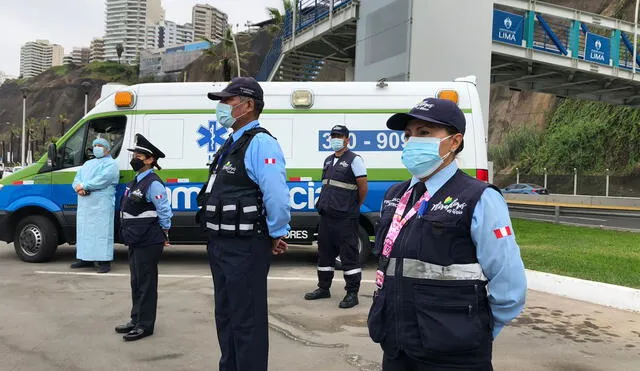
x: 588, y: 220
x: 55, y: 318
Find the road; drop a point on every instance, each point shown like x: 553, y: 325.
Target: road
x: 52, y: 318
x: 599, y: 220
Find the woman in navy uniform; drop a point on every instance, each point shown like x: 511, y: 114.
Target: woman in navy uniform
x: 450, y: 275
x: 145, y: 220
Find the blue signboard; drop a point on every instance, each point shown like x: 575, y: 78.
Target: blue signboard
x: 507, y: 27
x: 597, y: 48
x: 366, y: 140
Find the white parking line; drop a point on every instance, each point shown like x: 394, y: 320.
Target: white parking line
x: 206, y: 276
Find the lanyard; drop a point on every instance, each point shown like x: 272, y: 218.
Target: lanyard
x: 397, y: 224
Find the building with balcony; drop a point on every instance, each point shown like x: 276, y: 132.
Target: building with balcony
x: 166, y: 34
x: 208, y: 22
x: 96, y: 50
x: 38, y: 56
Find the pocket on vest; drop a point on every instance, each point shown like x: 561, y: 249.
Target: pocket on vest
x: 375, y: 319
x: 446, y: 328
x: 212, y: 217
x: 247, y: 217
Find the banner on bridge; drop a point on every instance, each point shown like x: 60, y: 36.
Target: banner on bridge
x: 508, y: 27
x: 597, y: 49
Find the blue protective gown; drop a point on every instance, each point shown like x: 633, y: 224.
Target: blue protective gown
x: 95, y: 215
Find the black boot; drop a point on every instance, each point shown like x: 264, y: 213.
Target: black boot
x: 82, y: 264
x: 350, y: 300
x: 317, y: 294
x: 104, y: 267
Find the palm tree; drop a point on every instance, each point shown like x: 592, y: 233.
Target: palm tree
x: 62, y: 120
x: 119, y: 50
x: 223, y: 56
x: 277, y: 16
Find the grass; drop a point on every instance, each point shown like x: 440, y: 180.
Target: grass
x: 587, y: 253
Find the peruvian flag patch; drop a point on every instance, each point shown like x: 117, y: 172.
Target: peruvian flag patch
x: 269, y: 161
x: 502, y: 232
x: 159, y: 197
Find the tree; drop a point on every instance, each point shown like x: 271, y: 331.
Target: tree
x: 223, y: 53
x: 277, y: 16
x: 119, y: 50
x: 62, y: 120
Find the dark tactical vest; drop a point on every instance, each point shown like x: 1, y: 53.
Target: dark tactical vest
x: 234, y: 208
x: 433, y: 304
x: 339, y: 195
x: 139, y: 223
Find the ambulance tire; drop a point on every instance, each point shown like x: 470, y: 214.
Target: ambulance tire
x: 36, y: 239
x: 364, y: 249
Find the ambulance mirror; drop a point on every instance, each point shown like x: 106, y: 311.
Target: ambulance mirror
x: 52, y: 154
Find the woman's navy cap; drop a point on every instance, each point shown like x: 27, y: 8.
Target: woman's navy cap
x: 433, y: 110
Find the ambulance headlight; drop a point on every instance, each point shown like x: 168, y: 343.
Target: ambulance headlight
x: 302, y: 99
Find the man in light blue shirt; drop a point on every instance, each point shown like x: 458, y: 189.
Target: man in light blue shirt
x: 246, y: 210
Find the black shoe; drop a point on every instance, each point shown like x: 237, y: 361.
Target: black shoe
x: 82, y: 264
x: 104, y: 267
x: 350, y: 300
x: 127, y: 327
x: 137, y: 334
x: 317, y: 294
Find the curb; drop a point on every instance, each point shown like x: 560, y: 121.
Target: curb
x: 619, y: 297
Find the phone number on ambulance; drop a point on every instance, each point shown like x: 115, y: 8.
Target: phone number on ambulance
x: 366, y: 140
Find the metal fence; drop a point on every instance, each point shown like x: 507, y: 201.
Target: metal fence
x: 576, y: 183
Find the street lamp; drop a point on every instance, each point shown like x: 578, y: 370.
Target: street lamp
x: 235, y: 46
x: 24, y: 92
x: 86, y: 86
x: 635, y: 37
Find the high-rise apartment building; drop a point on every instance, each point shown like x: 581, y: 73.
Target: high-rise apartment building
x: 38, y: 56
x: 96, y: 50
x: 126, y: 23
x: 208, y: 22
x: 167, y: 33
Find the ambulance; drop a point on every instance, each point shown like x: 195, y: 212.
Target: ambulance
x: 38, y: 204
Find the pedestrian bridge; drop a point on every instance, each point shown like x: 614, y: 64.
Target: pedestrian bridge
x: 536, y: 46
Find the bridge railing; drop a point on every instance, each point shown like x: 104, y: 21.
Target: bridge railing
x: 311, y: 12
x: 516, y: 24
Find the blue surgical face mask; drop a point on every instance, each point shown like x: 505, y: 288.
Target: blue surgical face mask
x: 224, y: 114
x: 336, y: 144
x: 421, y: 155
x: 98, y: 152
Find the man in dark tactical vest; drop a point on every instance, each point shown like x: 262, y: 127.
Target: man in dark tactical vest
x: 344, y: 188
x: 245, y: 207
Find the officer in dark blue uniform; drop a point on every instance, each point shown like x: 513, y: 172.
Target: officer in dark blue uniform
x: 450, y: 274
x: 246, y: 210
x: 145, y: 220
x: 344, y: 188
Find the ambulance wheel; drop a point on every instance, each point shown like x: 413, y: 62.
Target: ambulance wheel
x: 36, y: 239
x: 364, y: 249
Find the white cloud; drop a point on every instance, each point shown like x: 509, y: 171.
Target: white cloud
x: 73, y: 23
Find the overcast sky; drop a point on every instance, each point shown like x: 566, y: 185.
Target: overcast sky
x: 73, y: 23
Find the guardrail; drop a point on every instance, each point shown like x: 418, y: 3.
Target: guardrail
x: 557, y: 206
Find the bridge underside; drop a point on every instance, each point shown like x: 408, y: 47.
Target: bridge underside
x: 522, y: 69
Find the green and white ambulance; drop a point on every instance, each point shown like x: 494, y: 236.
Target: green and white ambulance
x: 38, y: 205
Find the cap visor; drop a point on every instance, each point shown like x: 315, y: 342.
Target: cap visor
x: 220, y: 95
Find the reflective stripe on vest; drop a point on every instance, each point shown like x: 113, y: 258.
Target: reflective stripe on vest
x: 146, y: 214
x: 413, y: 268
x: 229, y: 227
x: 339, y: 184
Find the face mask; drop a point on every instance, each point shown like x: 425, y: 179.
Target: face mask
x: 136, y: 164
x: 336, y: 144
x: 224, y: 114
x: 421, y: 156
x: 98, y: 152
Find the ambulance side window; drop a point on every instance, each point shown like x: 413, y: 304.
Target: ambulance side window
x: 78, y: 148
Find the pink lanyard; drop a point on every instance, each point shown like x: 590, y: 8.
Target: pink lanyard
x: 397, y: 224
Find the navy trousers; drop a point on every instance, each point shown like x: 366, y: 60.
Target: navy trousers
x: 239, y: 267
